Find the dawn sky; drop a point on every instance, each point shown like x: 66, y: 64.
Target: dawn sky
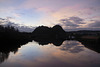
x: 71, y: 14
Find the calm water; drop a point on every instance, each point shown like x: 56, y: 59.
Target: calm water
x: 69, y: 54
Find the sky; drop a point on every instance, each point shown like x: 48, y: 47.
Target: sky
x: 70, y: 14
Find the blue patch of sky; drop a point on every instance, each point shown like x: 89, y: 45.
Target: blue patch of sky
x: 29, y: 16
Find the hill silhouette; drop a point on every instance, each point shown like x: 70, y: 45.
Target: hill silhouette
x: 44, y: 32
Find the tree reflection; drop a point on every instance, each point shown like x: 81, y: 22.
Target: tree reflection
x: 91, y: 44
x: 8, y: 46
x: 3, y: 56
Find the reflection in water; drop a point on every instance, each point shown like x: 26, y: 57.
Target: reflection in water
x: 8, y: 46
x: 53, y: 53
x: 3, y: 56
x: 72, y: 46
x: 91, y: 44
x: 56, y: 42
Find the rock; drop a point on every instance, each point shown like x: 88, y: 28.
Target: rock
x: 56, y: 32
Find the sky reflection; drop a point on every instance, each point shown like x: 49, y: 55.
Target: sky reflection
x: 70, y: 53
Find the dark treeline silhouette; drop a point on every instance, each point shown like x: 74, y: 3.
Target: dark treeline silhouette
x: 11, y: 39
x: 9, y: 33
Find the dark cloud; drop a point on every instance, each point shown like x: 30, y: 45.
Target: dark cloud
x: 21, y: 28
x: 67, y: 22
x: 96, y: 24
x: 72, y: 22
x: 6, y: 22
x: 75, y: 23
x: 77, y: 20
x: 11, y: 24
x: 26, y: 29
x: 2, y: 19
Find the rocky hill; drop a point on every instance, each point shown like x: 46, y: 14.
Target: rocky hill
x: 56, y: 32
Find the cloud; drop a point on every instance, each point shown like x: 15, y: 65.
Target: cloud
x: 77, y: 20
x: 26, y: 28
x: 75, y: 23
x: 68, y: 23
x: 7, y: 22
x: 2, y: 19
x: 86, y: 12
x: 22, y: 28
x: 96, y: 24
x: 72, y: 22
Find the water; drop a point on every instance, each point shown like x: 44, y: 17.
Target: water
x: 68, y: 54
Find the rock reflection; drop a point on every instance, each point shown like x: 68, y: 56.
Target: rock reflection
x: 56, y: 42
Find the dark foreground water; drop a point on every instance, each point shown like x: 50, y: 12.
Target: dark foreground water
x: 69, y: 54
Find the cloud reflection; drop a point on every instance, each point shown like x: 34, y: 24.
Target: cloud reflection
x: 72, y: 46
